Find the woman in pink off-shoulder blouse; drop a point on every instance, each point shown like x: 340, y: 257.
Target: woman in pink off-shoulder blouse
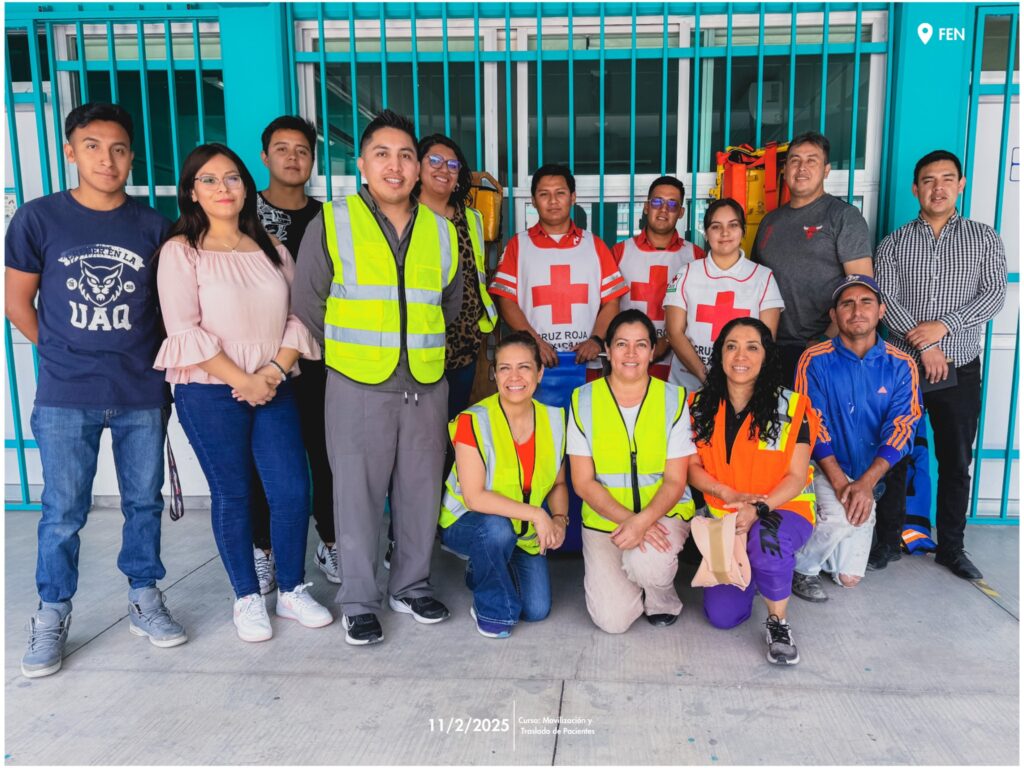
x: 231, y: 347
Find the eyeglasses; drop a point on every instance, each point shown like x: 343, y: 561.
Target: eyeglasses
x: 436, y: 161
x: 231, y: 181
x: 657, y: 202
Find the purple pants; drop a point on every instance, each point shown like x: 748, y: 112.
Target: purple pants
x: 771, y: 546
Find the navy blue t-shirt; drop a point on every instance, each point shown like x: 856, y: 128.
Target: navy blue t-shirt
x: 99, y: 314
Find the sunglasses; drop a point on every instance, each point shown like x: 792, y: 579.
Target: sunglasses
x: 231, y: 181
x: 436, y: 161
x: 657, y: 202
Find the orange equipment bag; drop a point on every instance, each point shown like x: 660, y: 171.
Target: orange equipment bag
x: 754, y: 179
x: 485, y: 195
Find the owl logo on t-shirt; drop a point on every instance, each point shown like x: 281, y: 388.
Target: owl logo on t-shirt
x: 100, y: 281
x: 98, y: 284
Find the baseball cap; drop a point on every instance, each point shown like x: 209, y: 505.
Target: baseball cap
x: 846, y: 282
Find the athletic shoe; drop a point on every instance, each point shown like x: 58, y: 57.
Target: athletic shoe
x: 265, y: 570
x: 490, y: 628
x: 881, y: 555
x: 960, y: 565
x: 327, y: 561
x: 808, y: 588
x: 363, y: 629
x: 251, y: 619
x: 47, y: 634
x: 300, y: 606
x: 779, y: 635
x: 149, y: 617
x: 389, y: 554
x: 662, y: 619
x: 426, y: 610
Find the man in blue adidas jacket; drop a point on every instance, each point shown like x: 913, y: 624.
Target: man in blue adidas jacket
x: 866, y: 392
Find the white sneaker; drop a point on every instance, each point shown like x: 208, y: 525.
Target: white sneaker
x: 265, y: 570
x: 302, y: 607
x: 251, y: 619
x: 327, y: 561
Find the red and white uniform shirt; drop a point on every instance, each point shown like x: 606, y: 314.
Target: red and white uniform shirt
x: 560, y: 285
x: 647, y: 270
x: 712, y: 297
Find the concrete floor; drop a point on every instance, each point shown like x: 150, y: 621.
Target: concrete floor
x: 914, y: 666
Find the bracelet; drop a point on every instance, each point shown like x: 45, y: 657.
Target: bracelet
x: 599, y: 340
x: 284, y: 376
x: 564, y: 517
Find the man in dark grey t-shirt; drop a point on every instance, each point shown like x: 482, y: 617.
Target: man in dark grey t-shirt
x: 810, y: 244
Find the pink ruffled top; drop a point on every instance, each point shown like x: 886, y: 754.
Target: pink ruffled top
x: 235, y: 303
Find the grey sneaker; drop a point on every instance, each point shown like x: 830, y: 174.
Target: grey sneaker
x: 149, y: 617
x: 809, y: 588
x: 48, y: 632
x: 266, y: 570
x: 779, y: 635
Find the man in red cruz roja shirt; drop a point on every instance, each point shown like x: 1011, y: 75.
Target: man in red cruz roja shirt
x: 556, y: 281
x: 651, y: 259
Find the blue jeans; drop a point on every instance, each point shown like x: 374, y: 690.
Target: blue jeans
x: 508, y: 584
x: 229, y: 439
x: 69, y: 441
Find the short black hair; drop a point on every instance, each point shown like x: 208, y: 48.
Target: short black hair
x: 290, y: 123
x: 812, y: 137
x: 935, y: 156
x: 667, y: 181
x: 92, y: 111
x: 553, y: 169
x: 725, y: 202
x: 522, y: 339
x: 388, y: 119
x: 629, y: 317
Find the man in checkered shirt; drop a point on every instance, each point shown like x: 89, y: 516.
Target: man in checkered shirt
x: 943, y: 277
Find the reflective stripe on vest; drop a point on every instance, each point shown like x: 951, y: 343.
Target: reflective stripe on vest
x: 600, y: 419
x: 476, y: 236
x: 372, y: 310
x: 503, y: 472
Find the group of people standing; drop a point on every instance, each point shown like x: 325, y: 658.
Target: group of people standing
x: 322, y: 358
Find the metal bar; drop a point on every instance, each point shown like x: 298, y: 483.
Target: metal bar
x: 600, y: 142
x: 853, y: 113
x: 792, y: 72
x: 509, y: 151
x: 383, y: 58
x: 324, y: 113
x: 883, y: 182
x: 112, y: 53
x: 415, y: 71
x: 352, y: 74
x: 694, y: 119
x: 444, y: 68
x: 824, y: 67
x: 979, y: 441
x: 664, y: 87
x: 172, y: 97
x: 476, y: 88
x: 572, y: 96
x: 200, y: 101
x: 1005, y: 135
x: 540, y: 88
x: 632, y: 120
x: 51, y: 60
x: 83, y: 80
x: 144, y: 84
x: 19, y: 435
x: 39, y: 107
x: 293, y: 75
x: 972, y: 119
x: 1007, y: 462
x: 760, y: 76
x: 727, y: 125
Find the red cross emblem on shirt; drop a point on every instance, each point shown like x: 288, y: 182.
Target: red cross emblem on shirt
x: 561, y: 294
x: 721, y: 312
x: 652, y: 293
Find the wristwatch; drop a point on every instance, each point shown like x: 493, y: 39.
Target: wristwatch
x: 761, y: 508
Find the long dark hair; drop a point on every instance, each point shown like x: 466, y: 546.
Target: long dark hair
x: 460, y: 195
x: 192, y: 220
x: 764, y: 408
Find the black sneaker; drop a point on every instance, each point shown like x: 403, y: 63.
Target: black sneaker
x: 426, y: 610
x: 662, y: 619
x: 363, y: 629
x: 779, y: 635
x: 881, y: 555
x: 960, y: 565
x: 808, y: 588
x: 388, y: 554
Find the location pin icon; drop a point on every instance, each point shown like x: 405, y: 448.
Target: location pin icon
x: 924, y: 31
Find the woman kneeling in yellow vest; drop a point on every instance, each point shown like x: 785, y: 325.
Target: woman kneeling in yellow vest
x: 508, y: 460
x: 629, y: 442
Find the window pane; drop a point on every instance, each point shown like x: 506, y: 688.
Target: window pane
x: 997, y: 38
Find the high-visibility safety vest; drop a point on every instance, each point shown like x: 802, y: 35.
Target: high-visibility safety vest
x: 374, y: 310
x: 757, y: 466
x: 476, y: 236
x: 501, y: 462
x: 631, y: 468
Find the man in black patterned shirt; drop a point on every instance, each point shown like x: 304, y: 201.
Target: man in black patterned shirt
x: 943, y: 277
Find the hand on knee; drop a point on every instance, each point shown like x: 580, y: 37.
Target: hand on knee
x: 849, y: 581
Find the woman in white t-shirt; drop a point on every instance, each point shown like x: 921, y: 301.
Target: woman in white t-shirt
x: 706, y: 294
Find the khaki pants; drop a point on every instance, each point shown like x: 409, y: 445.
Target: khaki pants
x: 621, y: 585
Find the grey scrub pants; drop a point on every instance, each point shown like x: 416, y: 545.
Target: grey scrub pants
x: 376, y: 439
